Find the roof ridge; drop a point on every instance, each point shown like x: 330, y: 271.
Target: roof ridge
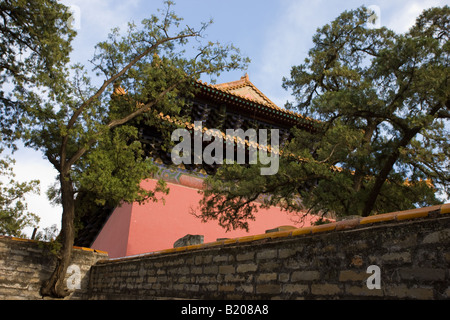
x: 243, y: 82
x: 119, y: 91
x: 270, y: 105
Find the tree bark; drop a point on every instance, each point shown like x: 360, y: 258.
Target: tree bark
x: 366, y: 146
x: 392, y: 159
x: 55, y: 286
x: 380, y: 180
x: 387, y: 168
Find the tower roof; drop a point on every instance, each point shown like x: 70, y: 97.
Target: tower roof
x: 246, y: 89
x: 245, y: 96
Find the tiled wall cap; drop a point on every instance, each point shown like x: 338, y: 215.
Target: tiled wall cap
x: 445, y: 208
x: 412, y: 214
x: 302, y: 231
x: 280, y: 234
x: 377, y: 218
x: 324, y: 227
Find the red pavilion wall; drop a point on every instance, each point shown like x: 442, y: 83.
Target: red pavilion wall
x: 135, y: 229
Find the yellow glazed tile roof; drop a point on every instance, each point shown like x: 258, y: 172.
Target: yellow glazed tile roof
x: 246, y: 94
x: 247, y: 91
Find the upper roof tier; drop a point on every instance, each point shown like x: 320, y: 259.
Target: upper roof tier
x: 245, y: 94
x: 244, y: 97
x: 245, y: 89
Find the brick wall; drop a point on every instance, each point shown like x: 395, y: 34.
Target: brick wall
x: 25, y: 264
x: 411, y: 250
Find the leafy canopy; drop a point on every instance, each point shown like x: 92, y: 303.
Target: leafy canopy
x: 34, y: 46
x: 91, y: 132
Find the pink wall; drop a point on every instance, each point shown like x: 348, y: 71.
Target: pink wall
x: 113, y: 237
x: 135, y: 229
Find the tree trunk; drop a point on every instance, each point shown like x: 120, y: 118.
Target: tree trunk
x: 55, y: 286
x: 387, y: 168
x: 392, y: 159
x: 366, y: 146
x: 380, y: 180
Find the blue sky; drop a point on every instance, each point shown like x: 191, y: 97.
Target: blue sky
x: 275, y: 34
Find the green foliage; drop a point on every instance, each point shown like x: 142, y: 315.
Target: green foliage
x: 383, y: 102
x: 47, y: 239
x: 14, y: 216
x: 35, y: 46
x: 114, y: 169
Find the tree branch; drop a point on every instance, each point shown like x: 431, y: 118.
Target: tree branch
x: 114, y: 123
x: 391, y: 160
x: 64, y: 166
x: 120, y: 73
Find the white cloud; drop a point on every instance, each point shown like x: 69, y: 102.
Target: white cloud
x: 287, y: 44
x: 404, y: 17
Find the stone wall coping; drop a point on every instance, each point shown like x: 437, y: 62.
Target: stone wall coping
x: 398, y: 216
x: 37, y: 241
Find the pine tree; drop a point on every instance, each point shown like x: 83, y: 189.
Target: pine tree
x: 382, y: 100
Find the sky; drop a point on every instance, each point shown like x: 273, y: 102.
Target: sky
x: 274, y: 34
